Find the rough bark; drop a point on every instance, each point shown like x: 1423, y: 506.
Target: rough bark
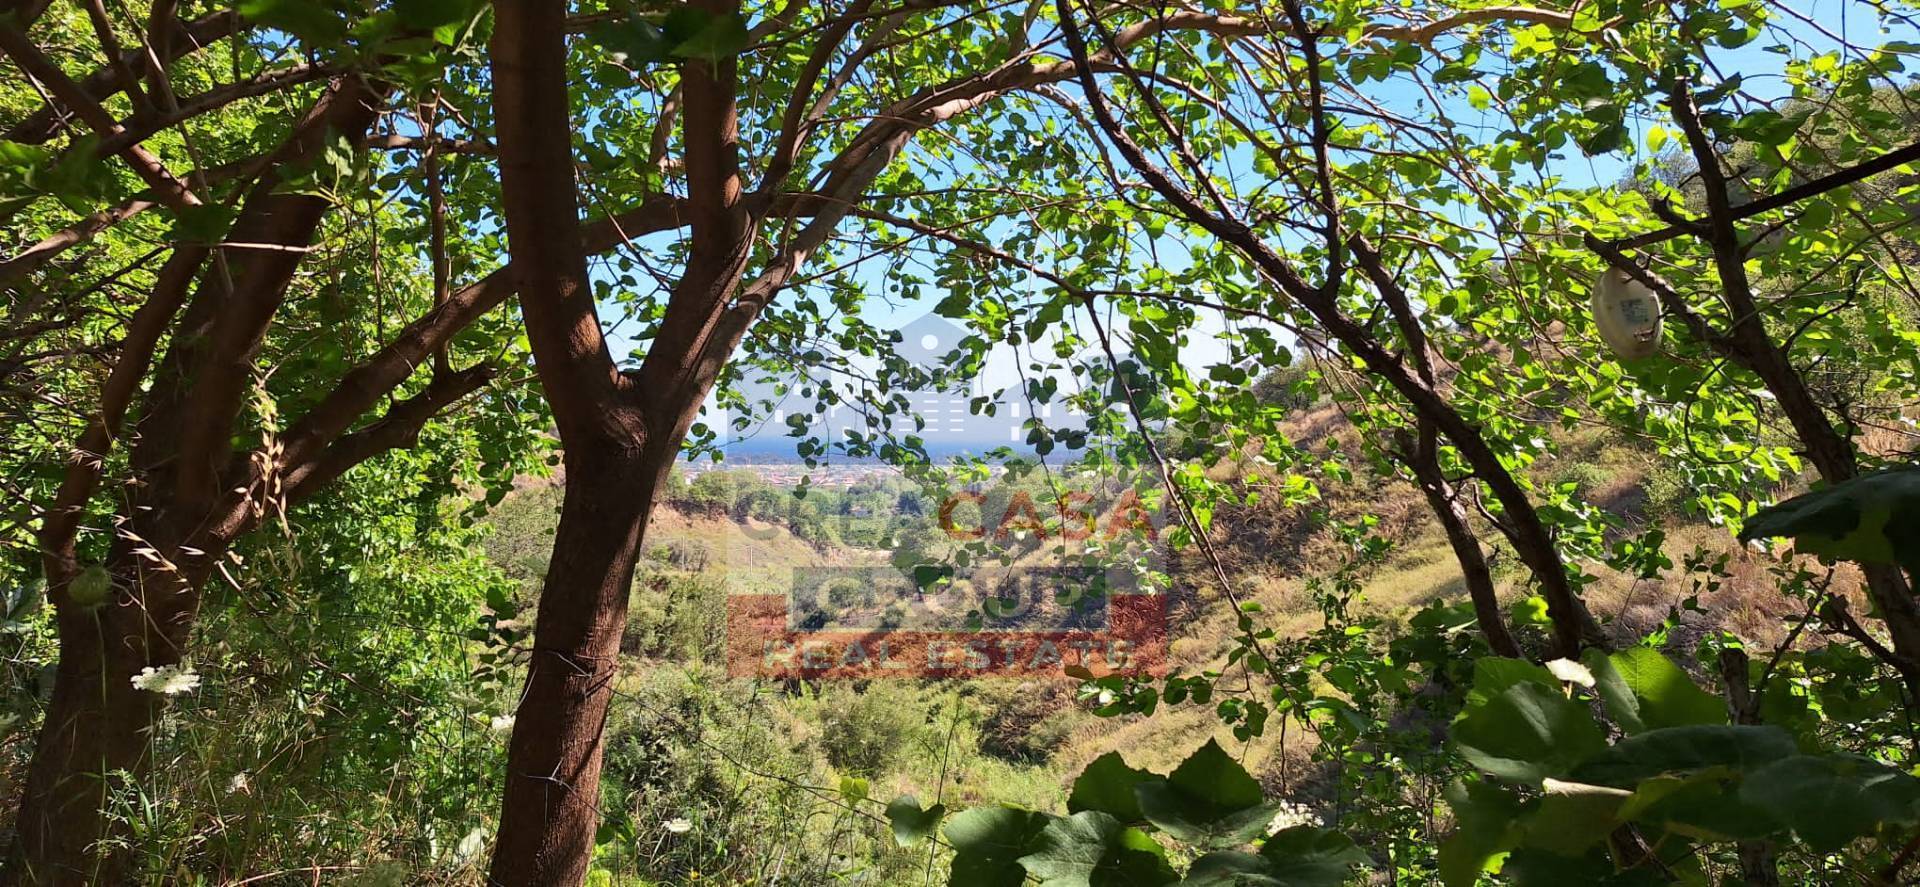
x: 551, y: 806
x: 551, y: 809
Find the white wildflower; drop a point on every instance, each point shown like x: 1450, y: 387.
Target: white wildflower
x: 678, y: 825
x: 470, y: 846
x: 1570, y: 671
x: 239, y: 783
x: 501, y: 724
x: 1291, y: 815
x: 167, y: 680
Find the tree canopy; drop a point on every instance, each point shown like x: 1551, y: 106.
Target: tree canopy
x: 298, y: 294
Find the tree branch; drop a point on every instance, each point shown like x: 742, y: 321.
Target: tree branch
x: 172, y: 192
x: 398, y: 428
x: 180, y: 40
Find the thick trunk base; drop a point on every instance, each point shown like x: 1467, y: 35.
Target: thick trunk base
x: 552, y: 806
x: 96, y: 728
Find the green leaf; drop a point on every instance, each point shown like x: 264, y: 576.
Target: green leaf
x: 1766, y: 127
x: 1492, y: 675
x: 1829, y: 800
x: 1107, y: 785
x: 316, y: 24
x: 1527, y: 733
x: 1093, y: 849
x: 1686, y: 750
x: 988, y: 843
x: 426, y: 15
x: 1700, y: 806
x: 1227, y: 868
x: 1573, y: 817
x: 911, y: 824
x: 1543, y: 868
x: 1609, y: 137
x: 1208, y: 798
x: 715, y: 38
x: 1644, y: 690
x: 1486, y: 824
x: 22, y: 156
x: 1297, y: 857
x: 853, y: 789
x: 637, y: 41
x: 1305, y: 856
x: 206, y: 224
x: 1873, y: 518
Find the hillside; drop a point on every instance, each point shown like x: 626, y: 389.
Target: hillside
x: 1021, y: 740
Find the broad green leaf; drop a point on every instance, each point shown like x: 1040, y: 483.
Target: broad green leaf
x: 1492, y: 675
x: 1227, y: 868
x: 1702, y: 806
x: 911, y: 824
x: 1107, y: 785
x: 1208, y: 798
x: 988, y: 843
x: 1686, y: 750
x: 1873, y: 518
x: 1573, y: 817
x: 1305, y: 856
x: 1093, y: 849
x: 712, y: 38
x: 1527, y: 733
x: 426, y: 15
x: 1297, y: 857
x: 1486, y: 824
x: 1643, y: 691
x: 1829, y: 800
x: 1544, y: 868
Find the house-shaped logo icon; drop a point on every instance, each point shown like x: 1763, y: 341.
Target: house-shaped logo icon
x: 951, y: 424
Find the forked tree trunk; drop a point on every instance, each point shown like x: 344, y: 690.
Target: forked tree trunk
x: 621, y: 431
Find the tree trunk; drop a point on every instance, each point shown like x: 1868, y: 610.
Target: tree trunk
x: 194, y: 497
x: 552, y: 804
x: 61, y: 813
x: 1759, y: 865
x: 98, y: 724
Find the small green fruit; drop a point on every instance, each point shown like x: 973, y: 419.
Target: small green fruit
x: 91, y: 587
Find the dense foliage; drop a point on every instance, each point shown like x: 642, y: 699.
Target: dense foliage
x: 363, y: 364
